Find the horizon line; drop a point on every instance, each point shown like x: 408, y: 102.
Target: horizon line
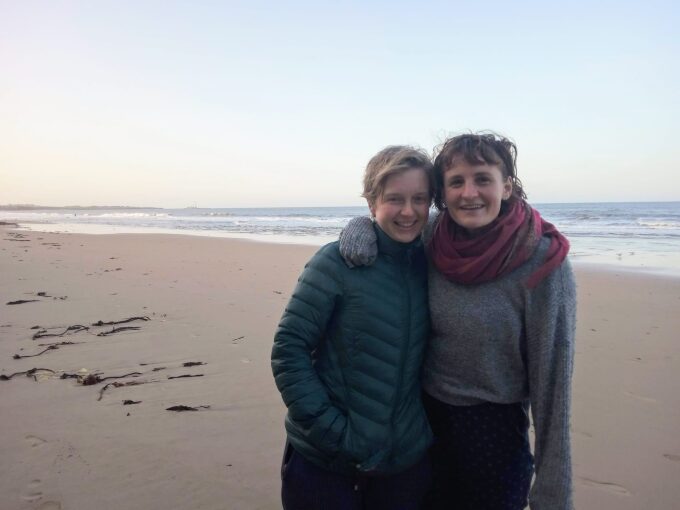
x: 10, y: 207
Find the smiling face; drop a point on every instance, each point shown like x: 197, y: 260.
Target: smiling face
x: 473, y: 194
x: 402, y: 209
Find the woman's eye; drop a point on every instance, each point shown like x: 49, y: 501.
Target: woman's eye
x: 455, y: 184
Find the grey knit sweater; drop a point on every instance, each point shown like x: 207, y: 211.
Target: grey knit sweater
x: 504, y: 343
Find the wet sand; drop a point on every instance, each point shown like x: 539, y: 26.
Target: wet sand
x: 217, y: 301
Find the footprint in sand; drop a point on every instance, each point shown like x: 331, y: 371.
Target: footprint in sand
x: 639, y: 397
x: 32, y: 496
x: 606, y: 486
x: 670, y: 456
x: 35, y: 441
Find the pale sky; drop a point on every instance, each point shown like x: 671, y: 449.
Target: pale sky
x: 270, y: 103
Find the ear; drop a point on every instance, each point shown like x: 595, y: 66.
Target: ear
x: 507, y: 188
x: 371, y: 207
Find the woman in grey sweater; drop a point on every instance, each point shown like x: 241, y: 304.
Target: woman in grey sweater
x: 502, y: 307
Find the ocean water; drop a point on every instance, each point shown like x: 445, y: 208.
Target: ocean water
x: 635, y: 235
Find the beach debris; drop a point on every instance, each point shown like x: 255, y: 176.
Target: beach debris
x: 44, y: 333
x: 123, y: 321
x: 91, y: 379
x: 131, y: 402
x: 22, y: 301
x: 185, y: 375
x: 237, y: 340
x: 119, y: 385
x: 35, y: 327
x: 278, y: 292
x: 50, y: 348
x: 28, y: 373
x: 193, y: 363
x: 60, y: 343
x: 118, y: 330
x: 181, y: 408
x: 158, y: 368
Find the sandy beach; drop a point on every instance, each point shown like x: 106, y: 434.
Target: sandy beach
x: 215, y: 303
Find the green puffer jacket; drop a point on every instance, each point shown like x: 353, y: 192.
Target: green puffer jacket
x: 347, y: 356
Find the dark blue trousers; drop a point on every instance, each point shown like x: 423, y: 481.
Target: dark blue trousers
x: 306, y: 486
x: 481, y: 459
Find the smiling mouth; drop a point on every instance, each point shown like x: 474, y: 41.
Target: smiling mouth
x: 471, y: 207
x: 403, y: 225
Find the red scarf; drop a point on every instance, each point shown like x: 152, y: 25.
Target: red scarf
x: 507, y: 244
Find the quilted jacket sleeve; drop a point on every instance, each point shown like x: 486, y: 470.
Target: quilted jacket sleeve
x: 300, y: 331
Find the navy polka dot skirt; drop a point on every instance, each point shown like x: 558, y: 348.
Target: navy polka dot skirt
x: 481, y: 456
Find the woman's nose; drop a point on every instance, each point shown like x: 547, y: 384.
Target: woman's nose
x: 469, y: 189
x: 408, y: 209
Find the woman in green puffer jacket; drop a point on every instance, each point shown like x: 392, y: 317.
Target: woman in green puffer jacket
x: 347, y: 357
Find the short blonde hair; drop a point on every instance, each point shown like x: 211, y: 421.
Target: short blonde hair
x: 393, y: 160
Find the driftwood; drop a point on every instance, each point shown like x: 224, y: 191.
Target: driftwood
x: 131, y: 402
x: 112, y: 323
x: 28, y: 373
x: 43, y: 333
x: 181, y: 408
x: 22, y: 301
x: 193, y: 363
x: 236, y: 340
x: 50, y: 348
x: 185, y: 375
x: 118, y: 330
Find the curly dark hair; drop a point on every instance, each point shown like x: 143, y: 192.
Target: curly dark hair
x: 477, y: 149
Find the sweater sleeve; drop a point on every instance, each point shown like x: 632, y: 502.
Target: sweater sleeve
x: 300, y: 332
x: 550, y: 326
x: 358, y: 242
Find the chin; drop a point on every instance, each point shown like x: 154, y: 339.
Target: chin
x: 405, y: 238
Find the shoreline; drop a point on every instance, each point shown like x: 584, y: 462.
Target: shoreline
x: 646, y: 265
x: 218, y: 301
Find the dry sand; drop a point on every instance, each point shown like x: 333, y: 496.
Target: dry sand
x: 218, y: 301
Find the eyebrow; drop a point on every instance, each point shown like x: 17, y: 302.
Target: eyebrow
x: 481, y: 172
